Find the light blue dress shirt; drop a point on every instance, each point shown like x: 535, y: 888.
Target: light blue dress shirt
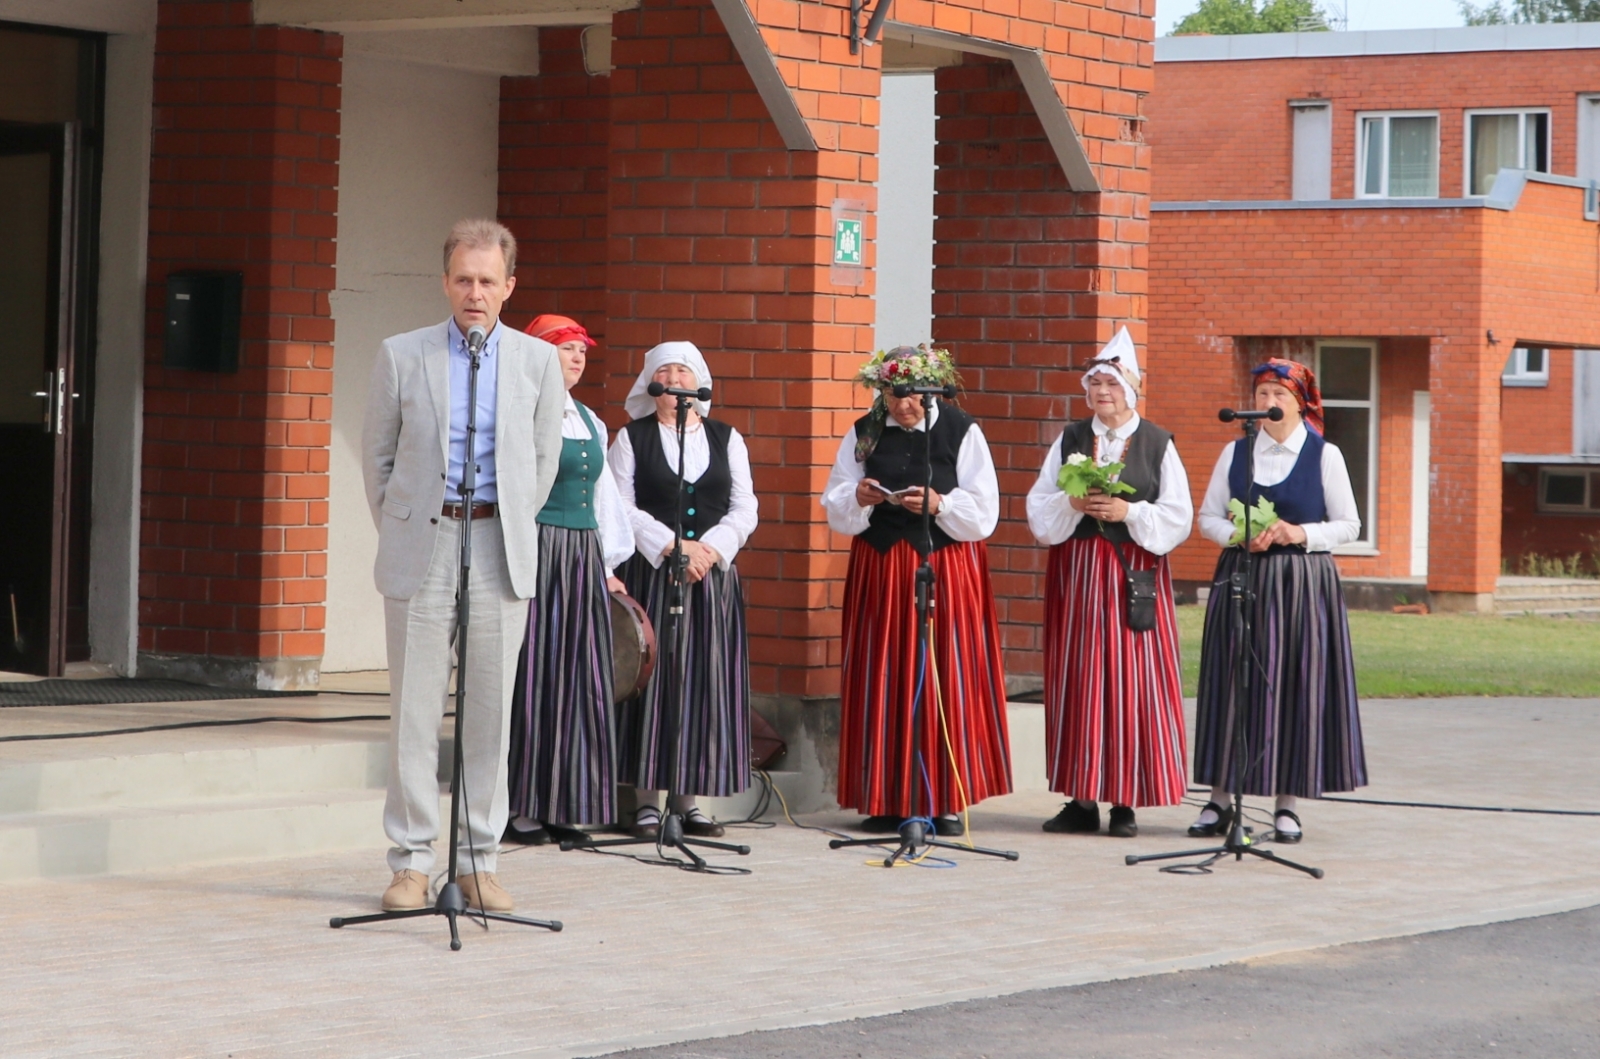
x: 488, y: 379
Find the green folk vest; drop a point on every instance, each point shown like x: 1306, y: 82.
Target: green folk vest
x: 571, y: 503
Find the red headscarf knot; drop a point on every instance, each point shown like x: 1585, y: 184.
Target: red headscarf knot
x: 1301, y: 381
x: 558, y: 329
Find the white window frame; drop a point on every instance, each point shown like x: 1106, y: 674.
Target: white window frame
x: 1361, y: 156
x: 1591, y: 502
x: 1367, y: 543
x: 1516, y: 373
x: 1522, y: 141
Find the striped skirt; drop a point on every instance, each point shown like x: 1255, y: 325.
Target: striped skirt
x: 563, y: 739
x: 1113, y: 697
x: 1302, y: 723
x: 877, y: 747
x: 714, y: 723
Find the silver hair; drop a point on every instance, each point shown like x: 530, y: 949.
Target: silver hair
x: 478, y: 232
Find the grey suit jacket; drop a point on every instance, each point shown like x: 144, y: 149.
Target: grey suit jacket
x: 405, y: 447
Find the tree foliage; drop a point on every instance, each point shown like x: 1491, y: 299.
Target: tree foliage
x: 1496, y: 13
x: 1244, y: 16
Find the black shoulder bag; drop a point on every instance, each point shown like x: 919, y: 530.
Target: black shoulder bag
x: 1140, y: 608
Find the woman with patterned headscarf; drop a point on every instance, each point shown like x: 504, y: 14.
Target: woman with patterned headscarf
x: 712, y: 701
x: 1302, y: 723
x: 875, y: 493
x: 1113, y: 697
x: 563, y: 736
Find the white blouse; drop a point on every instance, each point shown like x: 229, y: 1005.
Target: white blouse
x: 969, y: 512
x: 616, y: 534
x: 1274, y: 461
x: 1157, y: 526
x: 652, y: 537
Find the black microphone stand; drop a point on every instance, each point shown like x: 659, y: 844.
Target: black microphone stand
x: 671, y: 833
x: 451, y: 902
x: 919, y: 832
x: 1242, y: 597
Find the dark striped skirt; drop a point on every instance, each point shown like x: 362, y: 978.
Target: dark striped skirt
x: 1302, y: 723
x: 714, y: 730
x: 1113, y: 697
x: 877, y: 745
x: 563, y: 739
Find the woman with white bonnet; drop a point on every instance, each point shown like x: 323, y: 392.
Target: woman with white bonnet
x: 876, y: 494
x: 1113, y: 700
x: 719, y: 514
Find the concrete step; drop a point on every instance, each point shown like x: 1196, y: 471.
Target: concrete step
x: 109, y: 840
x: 1510, y: 587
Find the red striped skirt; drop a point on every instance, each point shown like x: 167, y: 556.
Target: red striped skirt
x: 1113, y: 697
x: 877, y: 749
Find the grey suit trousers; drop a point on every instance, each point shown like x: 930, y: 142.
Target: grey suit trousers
x: 421, y: 641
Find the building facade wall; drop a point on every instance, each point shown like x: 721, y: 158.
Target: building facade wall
x: 1223, y: 130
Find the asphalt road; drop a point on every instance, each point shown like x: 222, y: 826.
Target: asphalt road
x: 1528, y: 988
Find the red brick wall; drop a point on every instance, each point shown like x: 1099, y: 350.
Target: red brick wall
x: 1539, y: 418
x: 1222, y: 130
x: 244, y: 176
x: 721, y: 236
x: 554, y: 141
x: 1029, y: 277
x: 1528, y: 531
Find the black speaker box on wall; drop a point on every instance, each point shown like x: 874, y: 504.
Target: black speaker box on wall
x: 203, y: 321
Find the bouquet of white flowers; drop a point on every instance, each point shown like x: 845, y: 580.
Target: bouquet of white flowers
x: 1262, y: 515
x: 1080, y: 476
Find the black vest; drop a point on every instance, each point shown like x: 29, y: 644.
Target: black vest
x: 900, y: 461
x: 655, y: 483
x: 1141, y: 459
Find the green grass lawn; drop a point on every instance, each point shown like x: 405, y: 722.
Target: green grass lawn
x: 1403, y: 655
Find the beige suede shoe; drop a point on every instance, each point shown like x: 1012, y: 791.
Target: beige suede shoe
x: 407, y: 892
x: 483, y: 891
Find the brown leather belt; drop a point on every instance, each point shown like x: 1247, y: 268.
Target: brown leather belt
x: 459, y: 511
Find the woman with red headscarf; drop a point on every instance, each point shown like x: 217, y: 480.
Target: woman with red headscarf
x: 563, y: 733
x: 1302, y: 723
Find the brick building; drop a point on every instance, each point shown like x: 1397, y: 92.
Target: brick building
x: 672, y: 168
x: 1413, y: 213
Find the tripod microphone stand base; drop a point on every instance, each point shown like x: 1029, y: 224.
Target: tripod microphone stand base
x: 671, y: 837
x: 1237, y: 845
x: 914, y: 838
x: 452, y: 903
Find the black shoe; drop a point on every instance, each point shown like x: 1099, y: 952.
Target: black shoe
x: 1224, y: 822
x: 1074, y: 819
x: 881, y: 825
x: 1122, y: 823
x: 646, y: 823
x: 563, y: 833
x: 537, y: 837
x: 698, y: 825
x: 1279, y: 835
x: 948, y: 826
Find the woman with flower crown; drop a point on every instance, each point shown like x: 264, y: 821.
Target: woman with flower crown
x: 1302, y: 722
x: 876, y: 493
x: 1113, y: 699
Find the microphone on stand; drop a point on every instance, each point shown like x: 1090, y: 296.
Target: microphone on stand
x: 656, y: 389
x: 905, y: 389
x: 476, y: 337
x: 1228, y: 415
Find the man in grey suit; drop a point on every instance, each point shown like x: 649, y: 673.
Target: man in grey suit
x: 413, y: 452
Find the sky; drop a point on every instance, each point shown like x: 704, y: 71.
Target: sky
x: 1364, y: 14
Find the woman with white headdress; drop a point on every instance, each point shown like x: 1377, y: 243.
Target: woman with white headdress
x: 1113, y: 700
x: 875, y: 494
x: 719, y: 514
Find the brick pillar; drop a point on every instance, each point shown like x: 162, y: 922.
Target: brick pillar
x: 554, y: 139
x: 234, y: 512
x: 1464, y: 517
x: 1029, y: 277
x: 721, y: 236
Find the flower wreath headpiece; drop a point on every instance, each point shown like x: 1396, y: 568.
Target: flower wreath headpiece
x: 921, y: 365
